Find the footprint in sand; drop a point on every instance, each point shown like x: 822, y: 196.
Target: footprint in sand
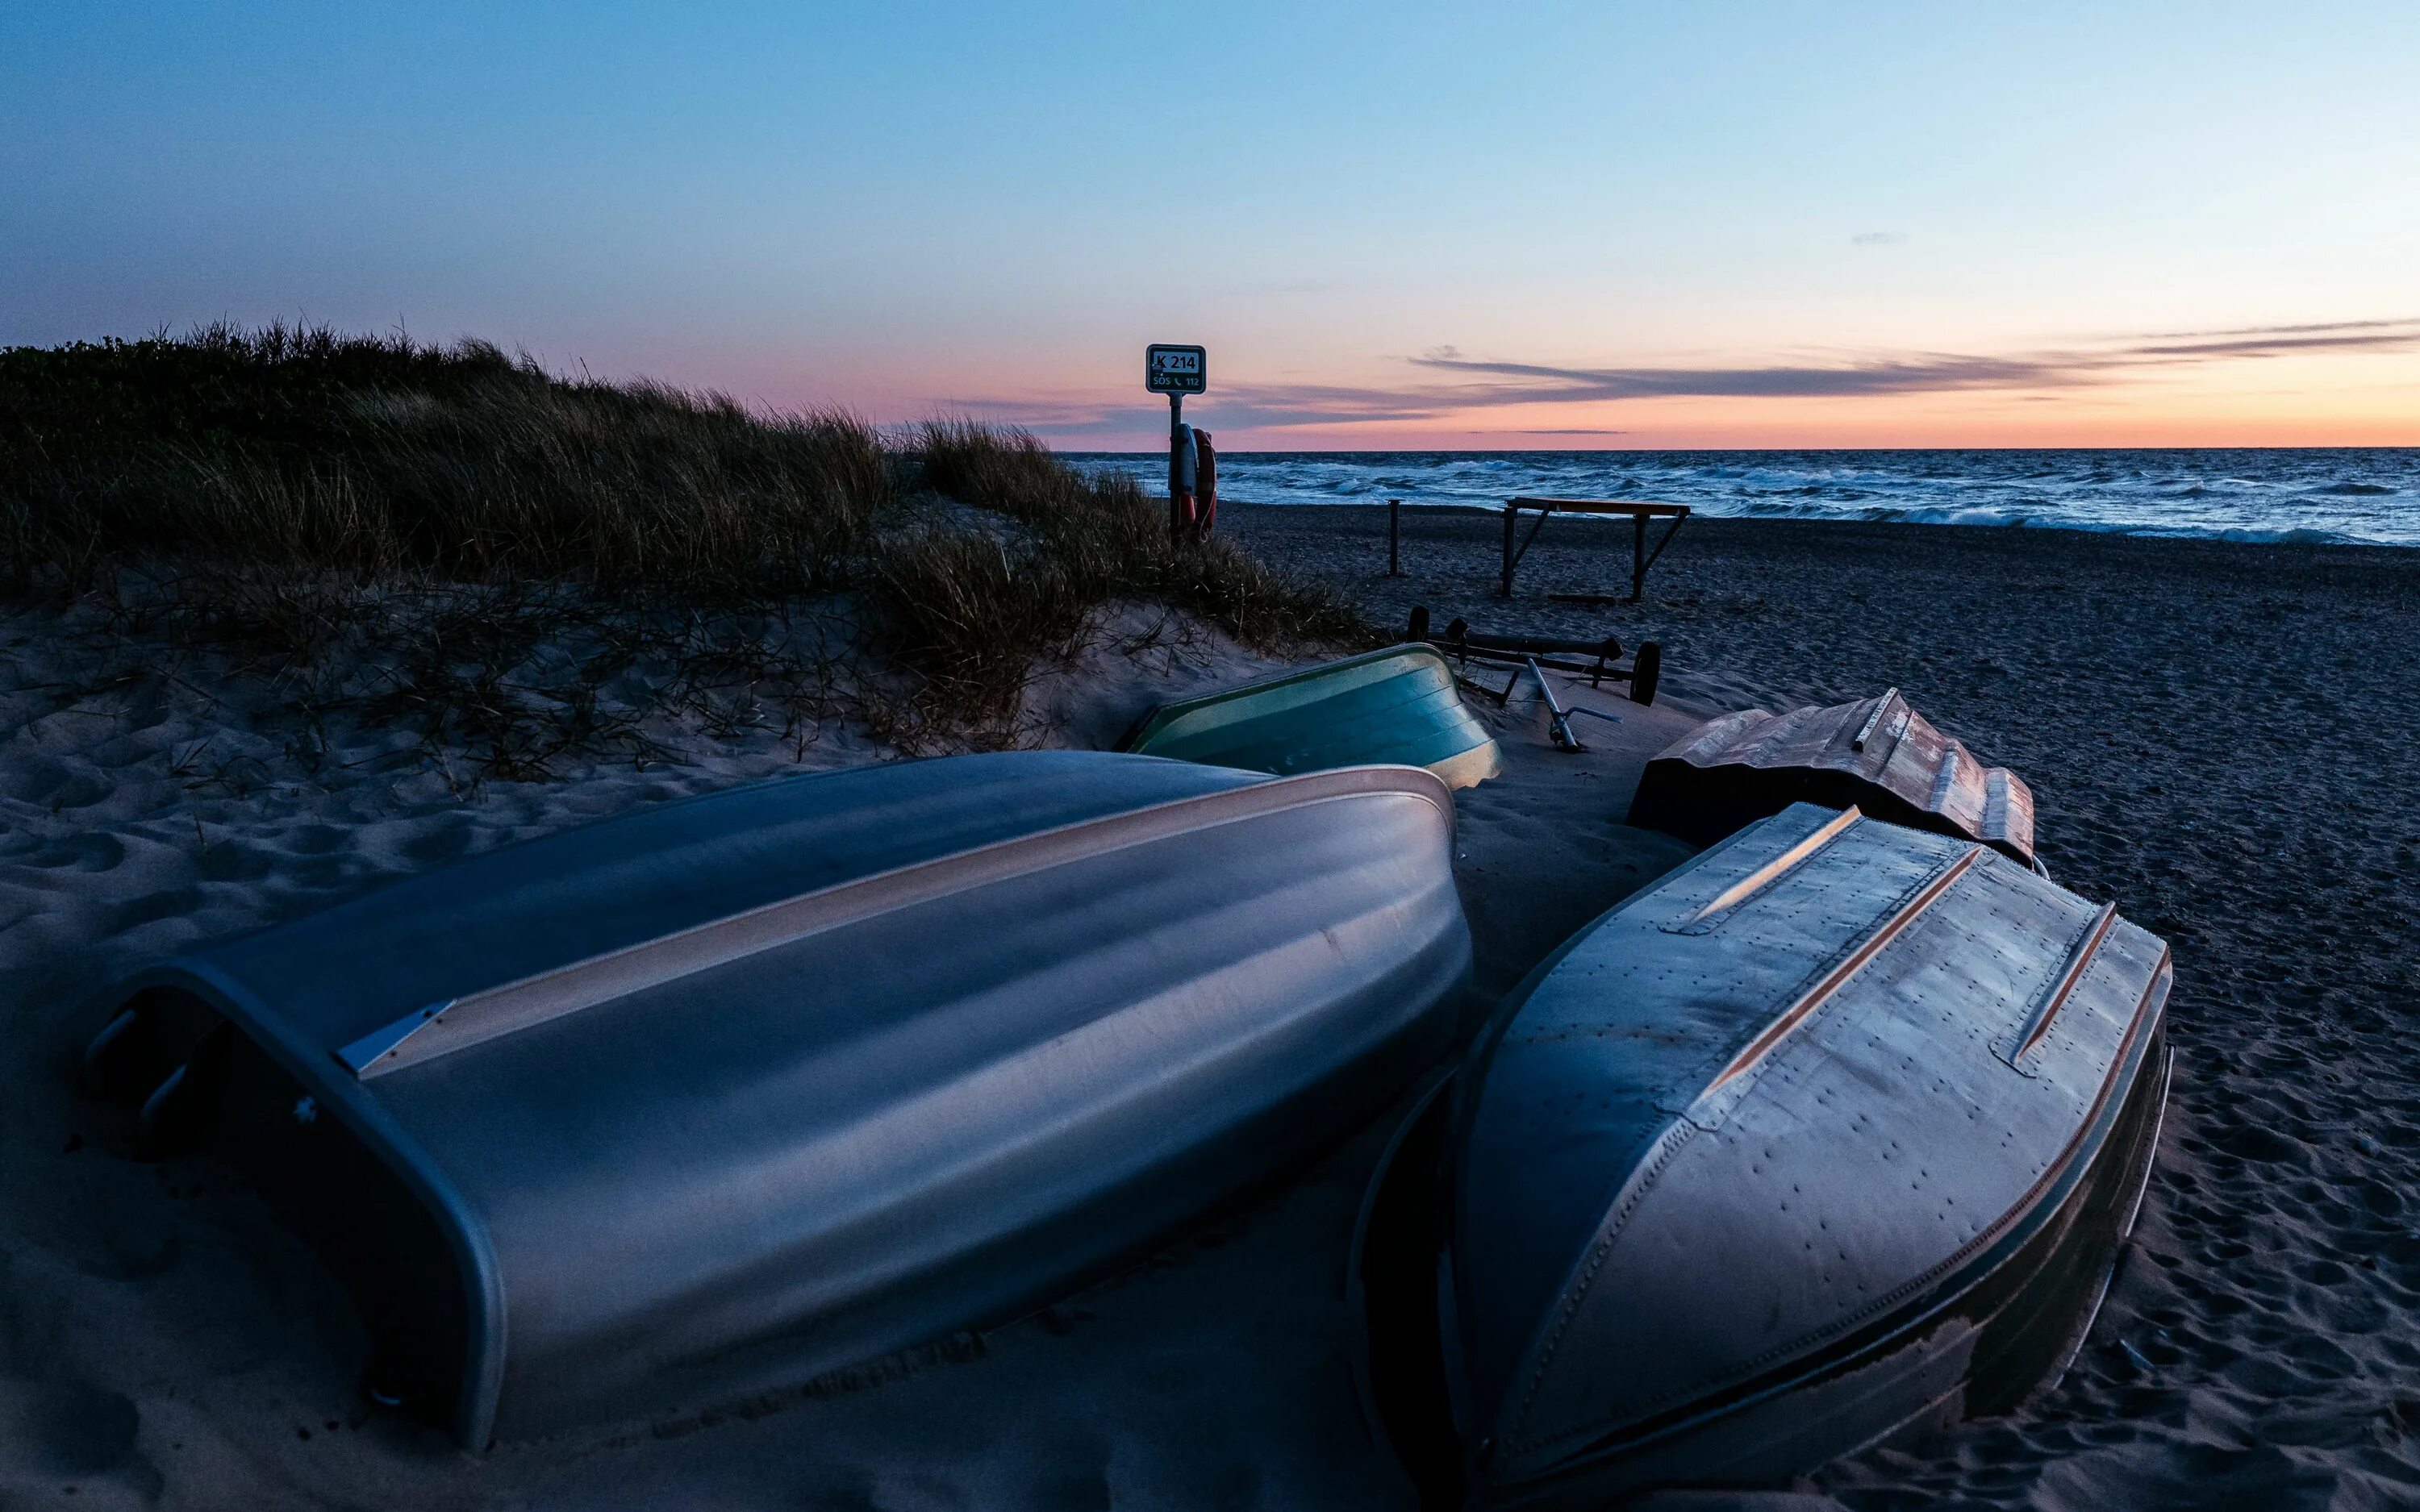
x: 314, y: 839
x: 90, y: 850
x: 238, y: 861
x: 80, y: 790
x: 31, y: 778
x: 167, y: 903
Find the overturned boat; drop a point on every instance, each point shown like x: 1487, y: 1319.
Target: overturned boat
x: 714, y: 1098
x: 1398, y: 705
x: 1877, y: 753
x: 1835, y: 1130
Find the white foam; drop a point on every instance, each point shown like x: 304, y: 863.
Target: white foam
x: 2312, y: 496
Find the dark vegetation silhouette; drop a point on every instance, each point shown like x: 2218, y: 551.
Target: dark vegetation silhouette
x: 496, y: 556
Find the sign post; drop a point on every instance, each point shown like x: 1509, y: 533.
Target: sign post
x: 1176, y: 371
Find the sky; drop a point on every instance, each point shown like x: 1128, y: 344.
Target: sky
x: 1404, y: 226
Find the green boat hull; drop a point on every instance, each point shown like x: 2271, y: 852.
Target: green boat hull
x: 1399, y: 705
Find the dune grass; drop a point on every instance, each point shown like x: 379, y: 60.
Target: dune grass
x: 378, y: 458
x: 966, y: 609
x: 500, y: 543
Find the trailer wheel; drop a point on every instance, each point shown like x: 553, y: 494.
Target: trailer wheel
x: 1646, y: 673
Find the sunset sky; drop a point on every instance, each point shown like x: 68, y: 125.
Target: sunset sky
x: 1515, y: 226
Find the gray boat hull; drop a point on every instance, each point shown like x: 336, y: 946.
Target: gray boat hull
x: 1878, y: 754
x: 709, y: 1100
x: 1836, y: 1131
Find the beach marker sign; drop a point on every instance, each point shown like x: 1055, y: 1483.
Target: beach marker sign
x: 1168, y: 369
x: 1177, y: 370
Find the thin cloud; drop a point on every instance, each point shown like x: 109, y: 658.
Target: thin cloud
x: 1244, y: 405
x: 1899, y: 373
x: 1907, y: 373
x: 1878, y: 239
x: 2361, y: 336
x: 1457, y: 384
x: 2405, y: 322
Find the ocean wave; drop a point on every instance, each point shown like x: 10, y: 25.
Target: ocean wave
x: 2336, y: 496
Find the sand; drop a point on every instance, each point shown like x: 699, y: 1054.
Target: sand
x: 2215, y: 736
x: 2220, y: 737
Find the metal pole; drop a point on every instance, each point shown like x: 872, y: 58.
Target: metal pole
x: 1558, y: 722
x: 1394, y: 537
x: 1175, y: 464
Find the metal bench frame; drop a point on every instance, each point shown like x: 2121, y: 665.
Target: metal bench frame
x: 1639, y: 511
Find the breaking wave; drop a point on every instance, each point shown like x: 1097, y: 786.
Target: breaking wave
x: 2331, y: 494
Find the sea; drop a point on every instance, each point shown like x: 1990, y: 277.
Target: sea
x: 2361, y: 496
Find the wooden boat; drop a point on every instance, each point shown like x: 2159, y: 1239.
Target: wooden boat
x: 717, y: 1097
x: 1877, y: 753
x: 1398, y: 705
x: 1837, y: 1129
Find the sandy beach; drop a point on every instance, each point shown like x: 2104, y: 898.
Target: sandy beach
x: 2216, y: 738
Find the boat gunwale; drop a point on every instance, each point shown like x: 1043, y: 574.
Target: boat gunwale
x: 2166, y: 1070
x: 387, y: 1139
x: 1942, y: 1282
x: 1851, y: 1352
x: 1470, y: 768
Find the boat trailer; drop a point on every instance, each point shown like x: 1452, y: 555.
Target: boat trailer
x: 1519, y: 654
x: 1558, y: 719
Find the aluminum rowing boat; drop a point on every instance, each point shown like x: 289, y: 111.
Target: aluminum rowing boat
x: 1837, y: 1129
x: 712, y: 1098
x: 1877, y: 753
x: 1399, y: 704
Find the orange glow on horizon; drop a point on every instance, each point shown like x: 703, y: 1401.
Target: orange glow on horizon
x: 2317, y: 400
x: 1751, y: 431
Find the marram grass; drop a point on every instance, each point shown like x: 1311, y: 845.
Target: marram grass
x: 287, y: 492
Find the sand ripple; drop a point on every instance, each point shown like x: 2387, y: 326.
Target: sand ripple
x: 2220, y: 737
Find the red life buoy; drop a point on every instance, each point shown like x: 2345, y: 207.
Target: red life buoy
x: 1205, y: 484
x: 1182, y: 461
